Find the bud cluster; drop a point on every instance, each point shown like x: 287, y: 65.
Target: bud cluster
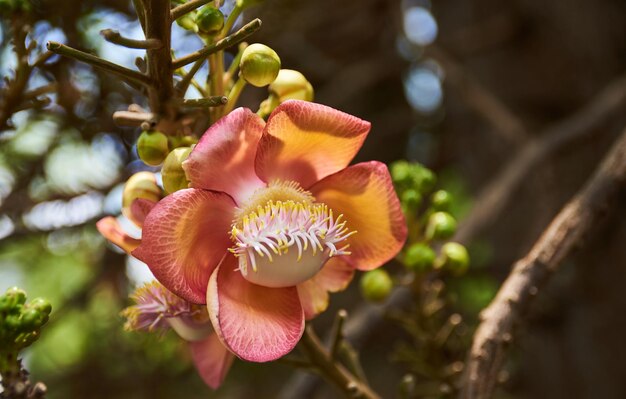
x: 430, y: 221
x: 20, y: 322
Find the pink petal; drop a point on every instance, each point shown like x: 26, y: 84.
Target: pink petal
x: 140, y: 209
x: 363, y: 193
x: 334, y: 276
x: 257, y: 323
x: 306, y: 142
x: 111, y: 229
x: 223, y: 160
x: 212, y: 360
x: 184, y: 238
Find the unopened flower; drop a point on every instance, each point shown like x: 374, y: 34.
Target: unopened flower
x: 275, y: 220
x: 157, y: 309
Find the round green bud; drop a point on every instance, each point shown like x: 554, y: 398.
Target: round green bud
x: 174, y: 177
x: 15, y: 296
x: 410, y: 199
x: 259, y: 65
x: 401, y: 172
x: 441, y: 225
x: 419, y: 257
x: 32, y: 319
x: 441, y: 200
x: 210, y: 20
x: 152, y: 147
x: 42, y: 305
x: 291, y: 85
x: 12, y: 322
x: 140, y: 185
x: 454, y: 257
x: 182, y: 141
x: 423, y: 178
x: 376, y: 285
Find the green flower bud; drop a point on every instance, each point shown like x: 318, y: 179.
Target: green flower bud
x: 410, y: 199
x: 32, y: 319
x: 454, y: 257
x: 423, y: 179
x: 12, y: 322
x: 419, y: 257
x: 42, y: 305
x: 209, y: 20
x: 376, y: 285
x: 182, y: 141
x: 187, y: 22
x: 140, y: 185
x: 401, y: 172
x: 152, y: 147
x: 15, y: 297
x: 259, y: 65
x: 441, y: 200
x: 441, y: 225
x: 291, y: 85
x: 174, y: 177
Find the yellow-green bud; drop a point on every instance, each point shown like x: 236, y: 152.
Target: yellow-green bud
x: 376, y: 285
x: 32, y: 319
x: 210, y: 20
x: 15, y: 296
x: 187, y: 22
x: 419, y: 257
x: 140, y: 185
x: 441, y: 225
x: 174, y: 177
x: 454, y: 257
x: 291, y: 85
x: 441, y: 200
x: 401, y: 172
x: 410, y: 199
x: 259, y: 65
x: 42, y: 305
x: 182, y: 141
x: 152, y: 147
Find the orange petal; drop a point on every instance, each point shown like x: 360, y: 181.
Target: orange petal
x: 363, y: 193
x: 223, y: 159
x: 334, y: 276
x: 111, y: 229
x: 212, y: 360
x: 257, y: 323
x: 184, y: 238
x: 305, y: 142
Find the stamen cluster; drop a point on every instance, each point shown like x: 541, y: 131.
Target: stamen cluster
x: 273, y: 229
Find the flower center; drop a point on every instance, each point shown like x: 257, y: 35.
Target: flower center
x: 283, y: 242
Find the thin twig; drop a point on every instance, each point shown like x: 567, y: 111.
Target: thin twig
x: 189, y: 6
x: 134, y: 119
x: 213, y: 101
x: 126, y: 74
x: 114, y: 36
x: 226, y: 42
x: 337, y: 333
x: 332, y: 370
x: 183, y: 85
x: 45, y: 89
x: 570, y: 227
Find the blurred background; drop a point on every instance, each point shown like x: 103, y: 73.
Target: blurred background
x: 463, y: 87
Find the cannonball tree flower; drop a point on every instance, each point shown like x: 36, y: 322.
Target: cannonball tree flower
x: 274, y: 220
